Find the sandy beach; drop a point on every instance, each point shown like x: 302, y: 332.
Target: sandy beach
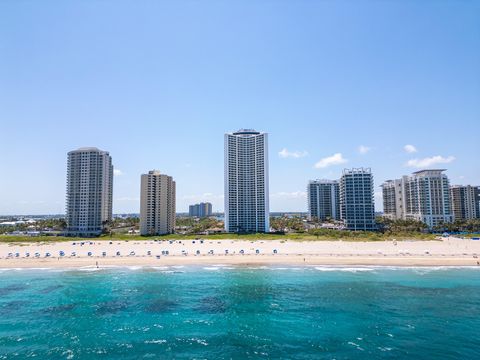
x: 444, y: 252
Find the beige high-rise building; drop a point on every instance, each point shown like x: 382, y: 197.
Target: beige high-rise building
x: 465, y: 202
x: 89, y: 191
x: 157, y: 204
x: 394, y: 199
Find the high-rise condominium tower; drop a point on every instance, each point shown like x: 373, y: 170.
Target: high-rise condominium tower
x: 423, y: 196
x: 89, y: 191
x: 357, y: 207
x: 200, y: 210
x: 323, y: 200
x: 394, y: 199
x: 246, y: 182
x: 465, y: 202
x: 428, y: 197
x: 157, y: 204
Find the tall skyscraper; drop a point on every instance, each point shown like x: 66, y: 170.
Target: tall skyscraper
x: 465, y: 202
x: 423, y: 196
x: 157, y: 204
x: 357, y: 206
x: 246, y: 182
x: 323, y: 200
x: 89, y: 191
x: 200, y: 210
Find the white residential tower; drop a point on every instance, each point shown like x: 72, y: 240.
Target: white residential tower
x: 246, y: 182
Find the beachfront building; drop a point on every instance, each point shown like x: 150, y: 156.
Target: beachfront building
x: 465, y: 202
x: 89, y: 191
x: 422, y: 196
x: 157, y: 204
x: 357, y: 207
x: 246, y: 182
x: 428, y: 197
x: 200, y: 210
x: 394, y: 201
x: 323, y: 200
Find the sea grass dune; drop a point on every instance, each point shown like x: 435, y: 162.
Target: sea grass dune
x: 441, y: 252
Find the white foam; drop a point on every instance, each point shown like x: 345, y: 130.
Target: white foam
x: 345, y: 269
x: 88, y: 269
x: 155, y: 341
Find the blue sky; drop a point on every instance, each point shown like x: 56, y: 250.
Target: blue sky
x: 158, y: 83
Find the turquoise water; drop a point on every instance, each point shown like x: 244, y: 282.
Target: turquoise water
x: 240, y: 313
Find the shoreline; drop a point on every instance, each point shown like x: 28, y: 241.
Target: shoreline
x: 74, y: 254
x: 105, y: 263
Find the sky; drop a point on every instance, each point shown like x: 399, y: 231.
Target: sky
x: 389, y: 85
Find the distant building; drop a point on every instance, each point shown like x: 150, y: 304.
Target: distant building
x: 246, y: 182
x: 357, y: 207
x: 394, y: 200
x: 465, y: 202
x: 323, y: 200
x: 157, y: 204
x: 89, y: 191
x: 200, y: 210
x: 422, y: 196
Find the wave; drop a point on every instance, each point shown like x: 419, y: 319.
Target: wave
x: 216, y: 267
x: 346, y: 269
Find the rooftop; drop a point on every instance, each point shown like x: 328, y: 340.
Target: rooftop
x: 246, y: 132
x: 88, y: 149
x: 425, y: 171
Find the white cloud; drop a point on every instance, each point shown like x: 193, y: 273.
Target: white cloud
x: 335, y: 159
x: 290, y: 195
x: 117, y: 172
x: 292, y: 154
x: 410, y: 149
x: 429, y: 161
x: 362, y: 149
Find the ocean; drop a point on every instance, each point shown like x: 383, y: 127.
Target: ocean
x: 221, y: 312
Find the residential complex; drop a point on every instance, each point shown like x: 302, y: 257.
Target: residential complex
x: 323, y: 200
x: 394, y: 201
x: 89, y: 191
x: 465, y: 202
x: 246, y: 181
x: 157, y: 204
x: 423, y: 196
x: 200, y: 210
x: 357, y: 207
